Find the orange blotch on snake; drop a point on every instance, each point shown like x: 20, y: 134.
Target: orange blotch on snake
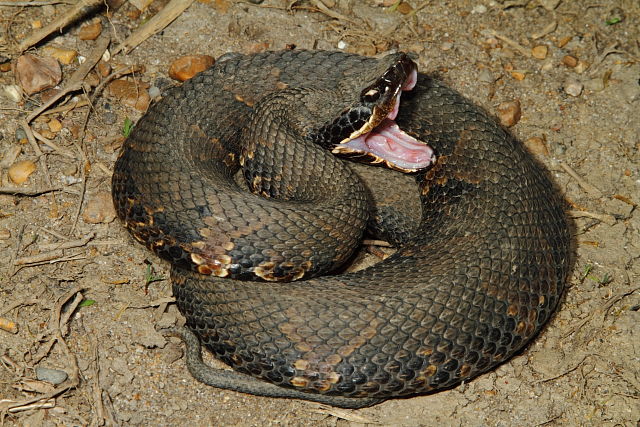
x: 299, y: 382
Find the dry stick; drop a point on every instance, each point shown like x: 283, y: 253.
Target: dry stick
x: 80, y: 9
x: 53, y: 145
x: 69, y: 244
x: 523, y: 51
x: 606, y: 218
x: 32, y: 3
x: 67, y: 107
x: 27, y: 191
x: 592, y: 190
x: 156, y: 24
x: 39, y: 258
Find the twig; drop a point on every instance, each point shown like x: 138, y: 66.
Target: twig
x: 67, y: 107
x: 32, y: 3
x: 54, y: 260
x: 52, y: 145
x: 40, y: 404
x: 592, y: 190
x: 544, y: 380
x: 80, y: 9
x: 39, y: 258
x: 69, y: 244
x: 606, y: 218
x: 27, y: 191
x: 523, y: 51
x: 156, y: 24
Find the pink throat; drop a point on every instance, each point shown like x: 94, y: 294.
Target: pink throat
x: 391, y: 144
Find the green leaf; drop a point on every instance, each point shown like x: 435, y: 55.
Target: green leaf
x: 87, y: 303
x: 613, y: 21
x: 127, y: 127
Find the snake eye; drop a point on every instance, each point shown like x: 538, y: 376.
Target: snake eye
x: 372, y: 95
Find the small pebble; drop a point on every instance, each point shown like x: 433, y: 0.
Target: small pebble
x: 536, y: 145
x: 486, y: 76
x: 65, y: 56
x: 573, y: 87
x: 405, y: 8
x: 446, y: 46
x: 154, y: 92
x: 12, y: 92
x: 594, y: 85
x: 549, y: 4
x: 36, y: 24
x: 570, y: 61
x: 509, y: 113
x: 341, y: 44
x: 35, y: 73
x: 9, y: 156
x: 540, y: 52
x: 581, y: 67
x: 5, y: 234
x: 563, y: 41
x: 5, y: 67
x: 188, y: 66
x: 19, y: 172
x: 54, y: 376
x: 104, y: 68
x: 518, y: 75
x: 20, y: 134
x: 479, y: 9
x: 54, y: 125
x: 90, y: 31
x: 99, y: 209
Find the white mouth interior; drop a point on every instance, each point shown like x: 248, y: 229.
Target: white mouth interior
x: 389, y: 143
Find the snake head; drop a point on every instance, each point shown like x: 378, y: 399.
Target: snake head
x: 367, y: 129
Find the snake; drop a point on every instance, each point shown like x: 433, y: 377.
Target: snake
x: 247, y: 179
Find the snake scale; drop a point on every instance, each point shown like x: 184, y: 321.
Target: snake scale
x: 252, y: 252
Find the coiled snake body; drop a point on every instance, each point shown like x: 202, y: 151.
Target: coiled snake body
x: 469, y: 285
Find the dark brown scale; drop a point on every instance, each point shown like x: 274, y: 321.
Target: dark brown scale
x: 469, y: 286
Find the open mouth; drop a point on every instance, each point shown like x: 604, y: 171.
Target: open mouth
x: 381, y: 140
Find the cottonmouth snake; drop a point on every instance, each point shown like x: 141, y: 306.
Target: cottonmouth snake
x: 469, y: 285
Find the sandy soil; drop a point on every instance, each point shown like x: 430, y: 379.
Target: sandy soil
x: 582, y: 370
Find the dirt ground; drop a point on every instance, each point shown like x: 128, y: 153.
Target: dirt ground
x: 583, y: 369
